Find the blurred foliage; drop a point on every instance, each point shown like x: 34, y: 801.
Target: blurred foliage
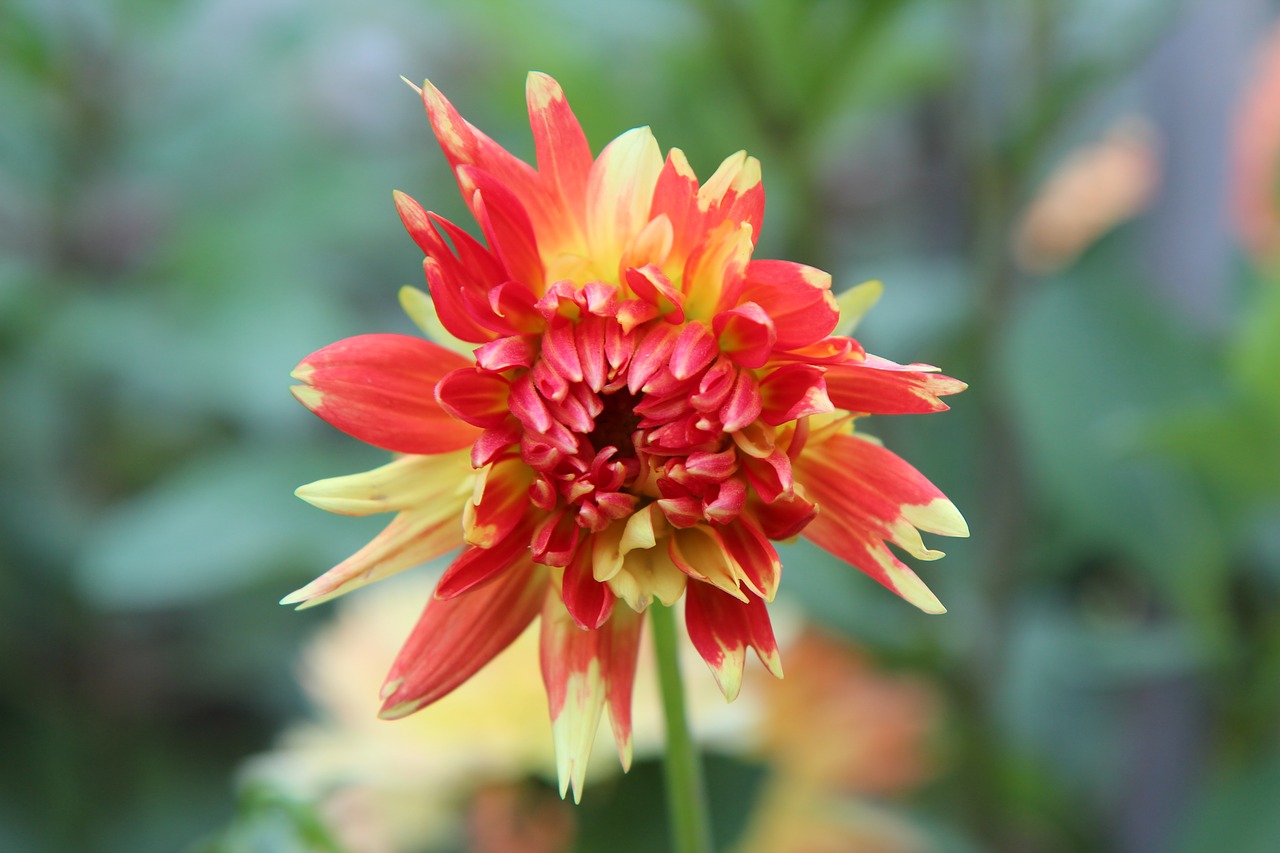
x: 195, y: 195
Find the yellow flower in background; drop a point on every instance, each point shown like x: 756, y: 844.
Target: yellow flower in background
x: 838, y: 738
x: 387, y: 788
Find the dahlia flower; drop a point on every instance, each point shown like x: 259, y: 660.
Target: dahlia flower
x: 626, y: 407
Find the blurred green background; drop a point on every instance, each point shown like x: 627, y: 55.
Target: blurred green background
x: 194, y: 195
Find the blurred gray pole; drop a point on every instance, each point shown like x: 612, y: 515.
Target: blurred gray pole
x: 1193, y: 84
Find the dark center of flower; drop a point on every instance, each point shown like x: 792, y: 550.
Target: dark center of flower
x: 615, y: 425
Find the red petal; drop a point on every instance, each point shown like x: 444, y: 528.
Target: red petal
x: 878, y: 386
x: 505, y: 224
x: 451, y: 305
x: 652, y: 285
x: 754, y: 554
x: 693, y: 352
x: 743, y: 405
x: 380, y: 389
x: 746, y: 334
x: 506, y: 353
x: 793, y: 391
x: 513, y: 308
x: 500, y: 503
x: 555, y: 541
x: 651, y: 355
x: 588, y: 601
x: 564, y: 157
x: 785, y: 517
x: 477, y: 566
x: 494, y: 441
x: 770, y: 476
x: 560, y: 349
x: 464, y: 144
x: 721, y: 628
x: 447, y: 276
x: 590, y: 341
x: 798, y: 299
x: 457, y: 636
x: 474, y: 396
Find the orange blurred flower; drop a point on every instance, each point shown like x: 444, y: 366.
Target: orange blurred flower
x: 1255, y: 158
x: 838, y: 734
x: 1093, y: 190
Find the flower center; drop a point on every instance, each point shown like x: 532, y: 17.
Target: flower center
x: 616, y: 424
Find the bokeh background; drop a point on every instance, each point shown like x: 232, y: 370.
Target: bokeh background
x: 1074, y: 206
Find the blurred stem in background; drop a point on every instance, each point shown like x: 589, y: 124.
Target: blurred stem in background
x: 793, y: 103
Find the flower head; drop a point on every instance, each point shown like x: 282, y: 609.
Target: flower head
x: 642, y: 409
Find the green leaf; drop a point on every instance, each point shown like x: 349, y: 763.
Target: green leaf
x: 224, y: 522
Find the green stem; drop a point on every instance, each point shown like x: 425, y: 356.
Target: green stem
x: 686, y: 794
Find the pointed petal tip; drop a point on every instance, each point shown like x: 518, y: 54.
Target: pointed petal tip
x: 939, y: 516
x: 294, y: 597
x: 305, y: 598
x: 393, y: 709
x: 542, y: 89
x: 412, y: 85
x: 730, y: 687
x: 625, y: 754
x: 307, y: 395
x: 399, y: 710
x: 303, y: 371
x: 914, y: 591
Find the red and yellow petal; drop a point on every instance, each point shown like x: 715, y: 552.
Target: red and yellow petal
x: 713, y: 273
x: 411, y: 539
x: 746, y: 334
x: 464, y: 144
x: 380, y: 389
x: 796, y: 297
x: 455, y: 637
x: 564, y: 162
x: 722, y: 628
x: 734, y: 193
x: 505, y: 224
x: 794, y: 391
x: 877, y: 386
x: 869, y: 496
x: 500, y: 501
x: 584, y: 672
x: 588, y: 600
x: 477, y: 566
x: 621, y: 647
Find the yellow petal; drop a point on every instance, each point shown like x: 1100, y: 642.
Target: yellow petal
x: 434, y: 485
x: 422, y: 311
x: 854, y: 303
